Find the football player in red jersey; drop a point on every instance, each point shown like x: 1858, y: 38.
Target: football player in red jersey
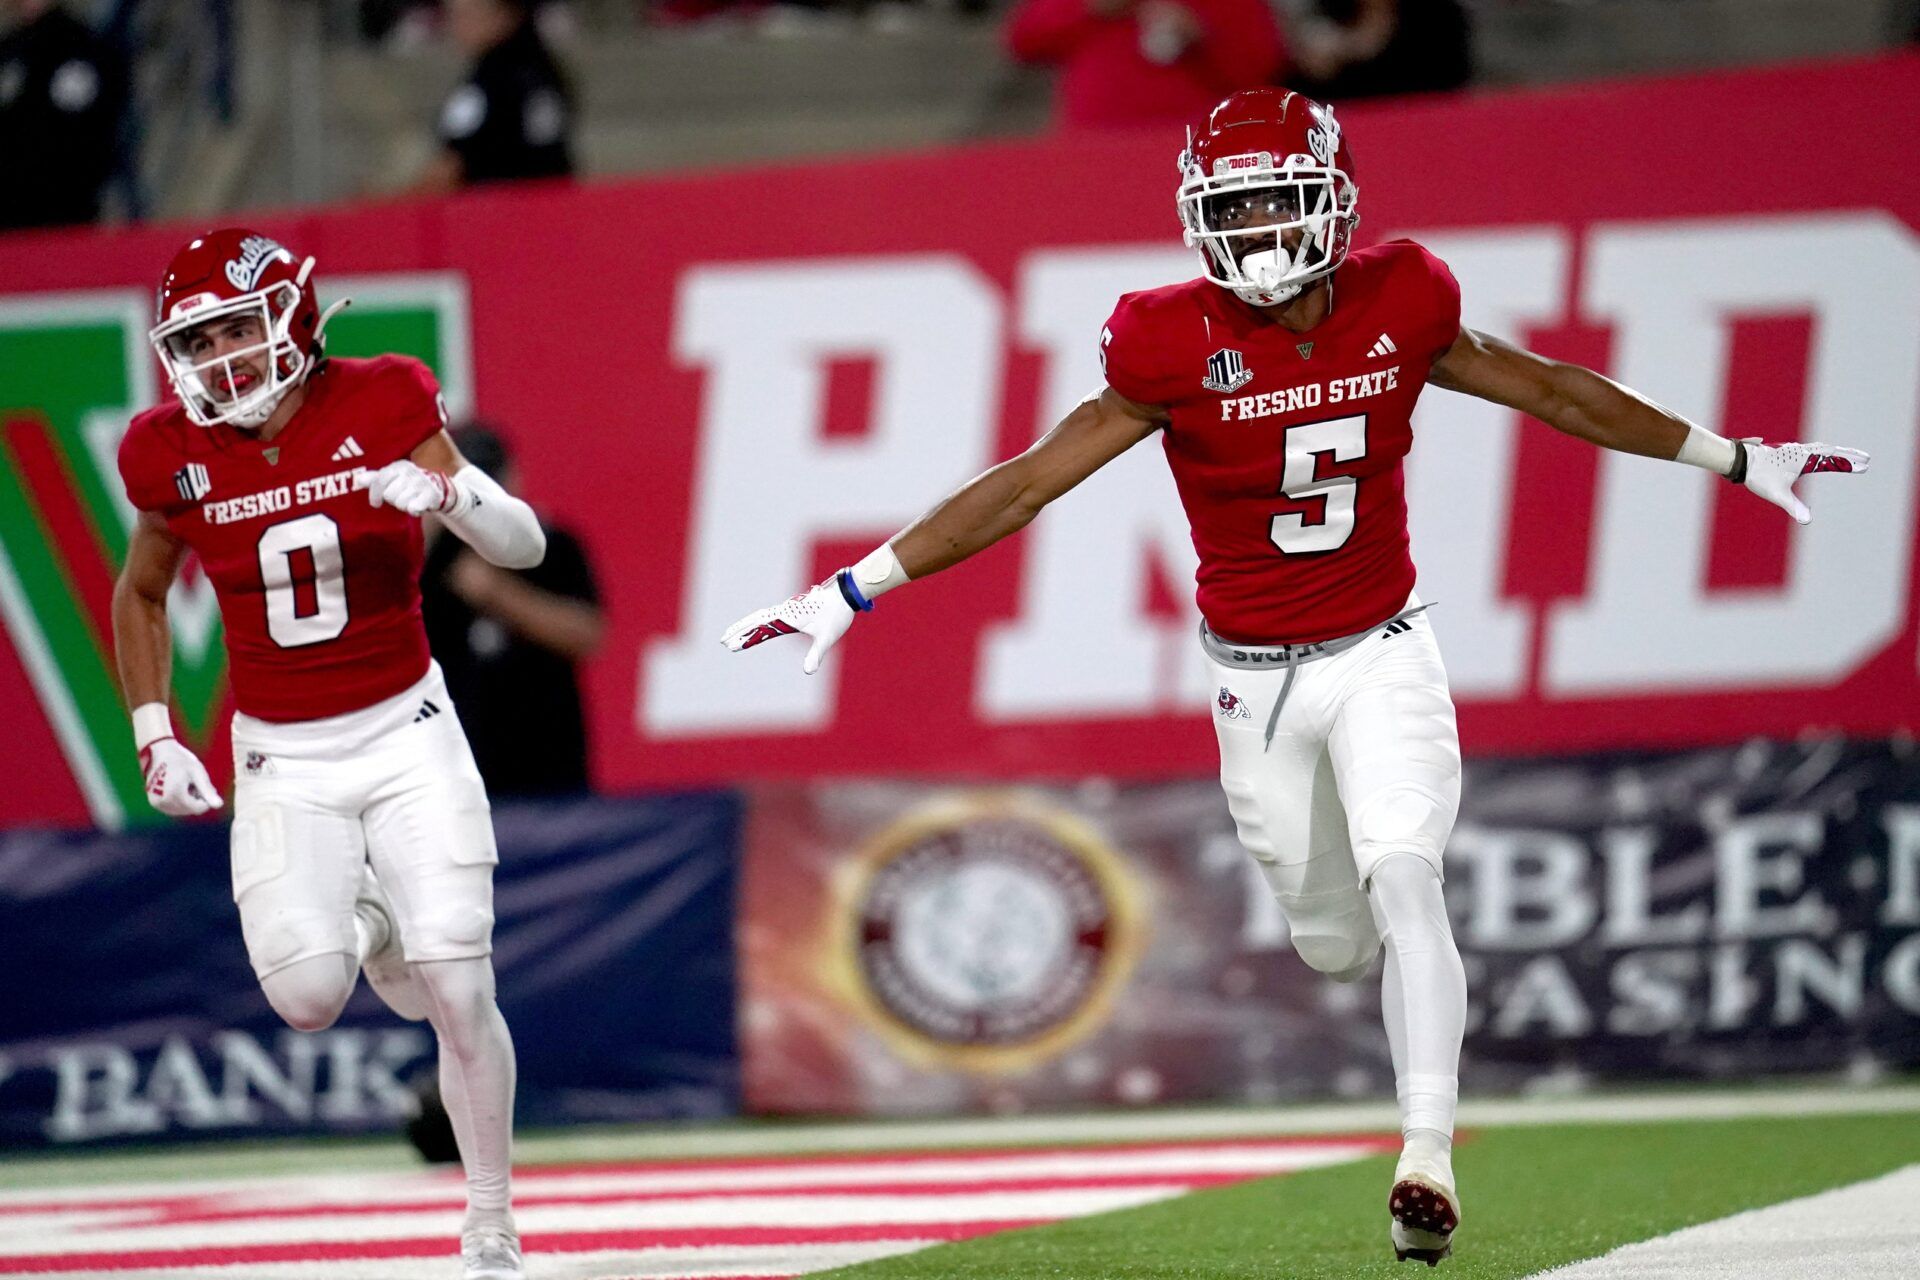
x: 1282, y: 384
x: 362, y: 839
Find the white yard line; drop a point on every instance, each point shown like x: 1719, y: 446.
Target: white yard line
x: 1866, y: 1231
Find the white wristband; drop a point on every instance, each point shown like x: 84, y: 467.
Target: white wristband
x: 1707, y: 451
x: 151, y: 722
x: 879, y: 572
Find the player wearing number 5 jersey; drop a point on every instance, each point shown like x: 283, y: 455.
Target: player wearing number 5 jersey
x: 362, y: 839
x: 1282, y: 385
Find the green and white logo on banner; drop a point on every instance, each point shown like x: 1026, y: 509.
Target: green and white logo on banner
x: 74, y: 369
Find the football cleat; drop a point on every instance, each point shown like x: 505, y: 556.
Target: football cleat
x: 492, y: 1253
x: 386, y: 969
x: 1424, y: 1206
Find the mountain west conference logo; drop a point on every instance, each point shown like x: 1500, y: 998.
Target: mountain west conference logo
x: 74, y: 368
x: 989, y: 934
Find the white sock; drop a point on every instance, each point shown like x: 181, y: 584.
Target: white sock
x: 476, y: 1080
x: 1423, y: 995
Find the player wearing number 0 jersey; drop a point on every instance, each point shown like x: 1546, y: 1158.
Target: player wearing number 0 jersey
x: 1282, y: 384
x: 266, y: 519
x: 362, y: 840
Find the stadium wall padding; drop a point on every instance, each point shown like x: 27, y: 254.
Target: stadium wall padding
x: 1707, y: 915
x: 137, y: 1017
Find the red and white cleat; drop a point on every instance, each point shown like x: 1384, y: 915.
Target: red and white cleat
x: 1425, y: 1207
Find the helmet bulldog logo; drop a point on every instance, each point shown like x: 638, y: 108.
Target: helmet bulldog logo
x: 256, y: 252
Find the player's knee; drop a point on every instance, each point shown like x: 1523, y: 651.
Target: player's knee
x: 1336, y: 937
x: 1342, y: 957
x: 309, y: 995
x: 1403, y: 818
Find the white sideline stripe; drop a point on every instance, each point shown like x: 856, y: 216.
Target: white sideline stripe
x: 401, y: 1189
x: 730, y: 1211
x: 653, y: 1264
x: 1866, y: 1231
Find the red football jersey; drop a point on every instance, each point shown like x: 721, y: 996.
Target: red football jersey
x: 319, y: 590
x: 1287, y: 447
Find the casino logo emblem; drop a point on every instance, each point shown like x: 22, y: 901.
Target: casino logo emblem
x: 989, y: 935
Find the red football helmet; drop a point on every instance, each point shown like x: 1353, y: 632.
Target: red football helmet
x: 226, y: 273
x: 1268, y: 162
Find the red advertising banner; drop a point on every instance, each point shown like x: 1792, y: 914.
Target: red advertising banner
x: 730, y: 384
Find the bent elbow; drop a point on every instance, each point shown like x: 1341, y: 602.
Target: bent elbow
x: 526, y: 554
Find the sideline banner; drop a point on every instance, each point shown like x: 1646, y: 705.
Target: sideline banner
x: 142, y: 1019
x: 1708, y: 914
x: 731, y: 384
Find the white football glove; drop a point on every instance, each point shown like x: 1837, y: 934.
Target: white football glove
x: 823, y: 612
x: 1770, y: 470
x: 411, y: 489
x: 177, y: 783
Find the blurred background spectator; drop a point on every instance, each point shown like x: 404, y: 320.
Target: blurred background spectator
x: 1345, y: 49
x: 63, y: 90
x: 1128, y: 62
x: 512, y: 117
x: 510, y: 642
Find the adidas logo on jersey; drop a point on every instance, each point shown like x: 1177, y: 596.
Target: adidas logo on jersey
x: 427, y: 711
x: 349, y: 448
x: 1383, y: 347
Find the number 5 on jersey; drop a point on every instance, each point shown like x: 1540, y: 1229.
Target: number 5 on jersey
x: 305, y: 581
x: 1346, y: 440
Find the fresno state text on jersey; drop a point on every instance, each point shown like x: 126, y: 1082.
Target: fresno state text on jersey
x: 319, y: 590
x: 1286, y: 446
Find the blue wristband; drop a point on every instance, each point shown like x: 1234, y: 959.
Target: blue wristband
x: 851, y: 593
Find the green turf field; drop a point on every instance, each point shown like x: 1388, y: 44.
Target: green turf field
x: 1534, y: 1197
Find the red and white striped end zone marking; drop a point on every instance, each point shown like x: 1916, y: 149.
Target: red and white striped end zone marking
x: 735, y: 1219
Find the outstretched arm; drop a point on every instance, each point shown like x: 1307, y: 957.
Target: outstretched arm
x: 987, y: 508
x: 1003, y: 499
x: 1582, y: 403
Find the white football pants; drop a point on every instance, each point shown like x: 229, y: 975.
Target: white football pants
x: 393, y: 784
x: 1347, y: 811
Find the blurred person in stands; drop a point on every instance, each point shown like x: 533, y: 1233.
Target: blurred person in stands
x: 511, y: 641
x: 1374, y: 48
x: 362, y: 837
x: 1131, y: 62
x: 63, y: 90
x: 512, y: 117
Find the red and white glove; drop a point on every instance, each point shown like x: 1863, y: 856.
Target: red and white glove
x: 1770, y: 470
x: 823, y: 612
x: 177, y: 783
x: 412, y: 489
